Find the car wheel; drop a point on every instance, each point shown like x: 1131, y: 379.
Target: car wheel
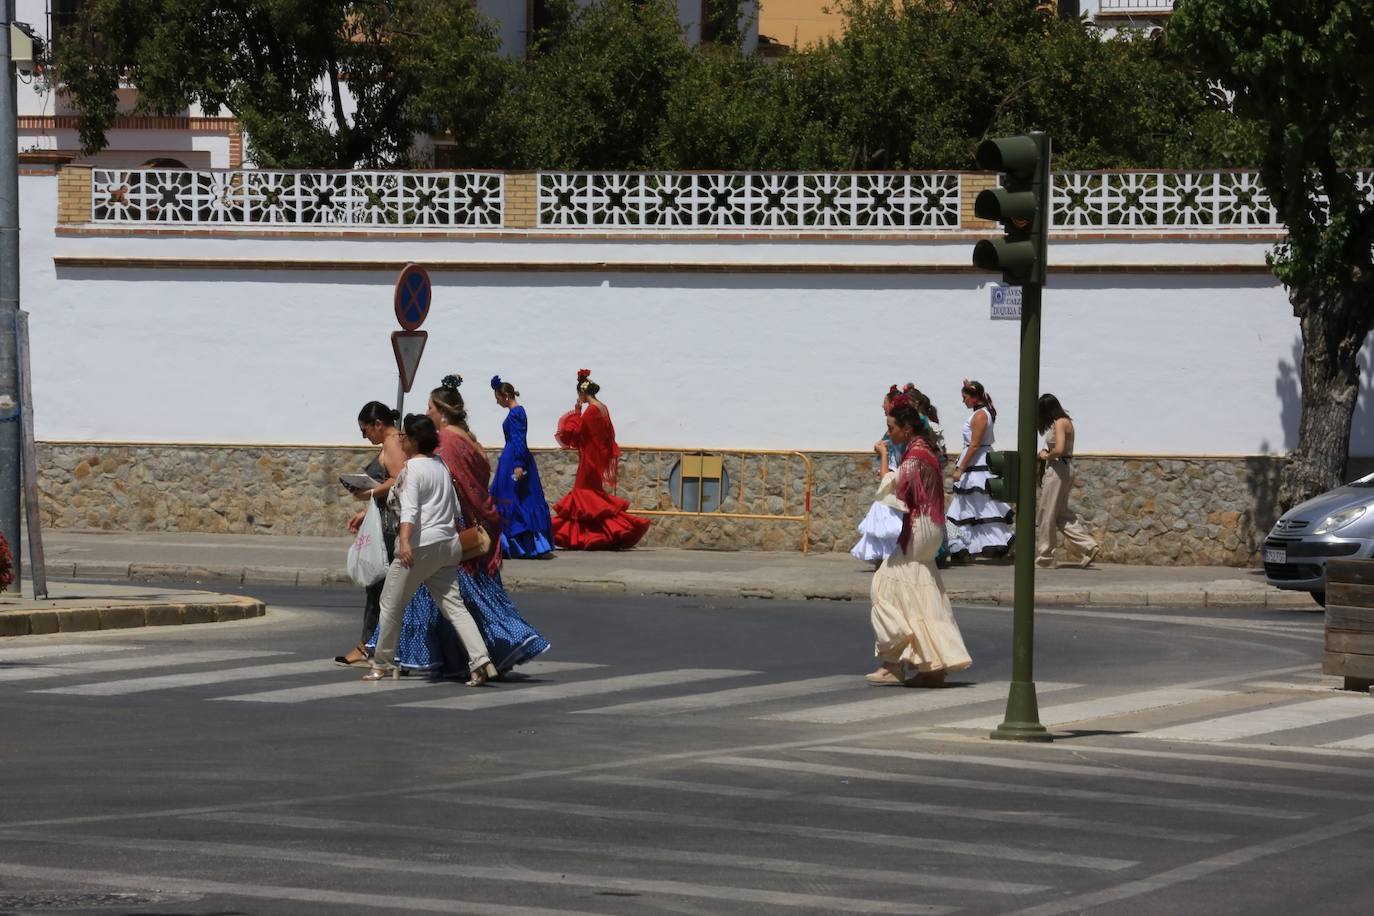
x: 1320, y: 598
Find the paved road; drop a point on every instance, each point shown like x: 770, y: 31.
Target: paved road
x: 684, y: 756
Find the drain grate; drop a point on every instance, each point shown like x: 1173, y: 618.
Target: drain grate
x: 40, y: 902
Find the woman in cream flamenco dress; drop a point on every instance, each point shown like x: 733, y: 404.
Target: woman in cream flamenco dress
x: 915, y: 636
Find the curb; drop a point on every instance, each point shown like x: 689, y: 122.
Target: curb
x: 1230, y: 597
x: 123, y: 617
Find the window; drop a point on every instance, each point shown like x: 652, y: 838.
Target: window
x: 61, y: 16
x: 720, y: 21
x: 698, y: 482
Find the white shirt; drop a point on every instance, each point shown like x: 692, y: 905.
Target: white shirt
x: 428, y: 500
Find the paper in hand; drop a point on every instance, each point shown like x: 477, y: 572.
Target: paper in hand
x: 358, y: 482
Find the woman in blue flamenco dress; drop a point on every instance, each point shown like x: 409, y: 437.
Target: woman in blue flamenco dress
x: 526, y: 528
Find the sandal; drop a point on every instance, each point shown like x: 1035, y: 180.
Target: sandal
x: 884, y: 677
x: 483, y: 674
x: 358, y: 655
x: 378, y: 674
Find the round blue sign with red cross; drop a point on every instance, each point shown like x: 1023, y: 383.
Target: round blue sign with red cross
x: 412, y: 297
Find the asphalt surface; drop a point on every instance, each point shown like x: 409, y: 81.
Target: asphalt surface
x: 231, y: 769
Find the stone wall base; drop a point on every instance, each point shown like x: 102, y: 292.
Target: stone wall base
x: 1143, y: 510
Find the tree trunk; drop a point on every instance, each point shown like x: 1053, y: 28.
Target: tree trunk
x: 1333, y: 329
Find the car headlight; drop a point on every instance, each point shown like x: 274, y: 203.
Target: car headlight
x: 1334, y: 523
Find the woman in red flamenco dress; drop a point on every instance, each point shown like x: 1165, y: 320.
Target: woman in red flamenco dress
x: 592, y: 517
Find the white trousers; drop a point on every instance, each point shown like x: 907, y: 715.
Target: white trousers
x: 435, y: 565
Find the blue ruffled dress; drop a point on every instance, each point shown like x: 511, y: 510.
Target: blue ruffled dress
x: 526, y: 528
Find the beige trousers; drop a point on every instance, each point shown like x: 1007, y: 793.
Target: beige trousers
x: 1053, y: 516
x: 435, y: 565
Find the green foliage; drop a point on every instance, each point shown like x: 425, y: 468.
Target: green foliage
x: 1300, y: 72
x: 277, y: 65
x: 911, y: 84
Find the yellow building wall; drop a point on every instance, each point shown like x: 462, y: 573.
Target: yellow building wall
x: 799, y: 22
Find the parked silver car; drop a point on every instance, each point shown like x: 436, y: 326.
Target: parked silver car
x: 1338, y: 523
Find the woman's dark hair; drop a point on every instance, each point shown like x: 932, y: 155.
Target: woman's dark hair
x: 923, y: 404
x: 587, y: 386
x: 505, y: 389
x: 976, y: 391
x: 377, y: 412
x: 1051, y: 410
x: 449, y: 402
x: 420, y: 430
x: 907, y: 415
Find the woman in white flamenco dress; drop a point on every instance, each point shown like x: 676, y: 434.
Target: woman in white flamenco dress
x: 978, y: 524
x: 880, y: 527
x: 915, y: 635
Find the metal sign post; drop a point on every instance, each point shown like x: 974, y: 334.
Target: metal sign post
x: 412, y: 300
x: 38, y: 572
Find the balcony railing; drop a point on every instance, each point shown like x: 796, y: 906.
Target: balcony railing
x: 750, y: 200
x: 250, y: 197
x: 1122, y: 7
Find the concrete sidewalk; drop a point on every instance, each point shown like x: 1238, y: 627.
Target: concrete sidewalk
x: 250, y: 559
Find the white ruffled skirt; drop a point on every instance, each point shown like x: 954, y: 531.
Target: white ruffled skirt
x: 913, y: 622
x: 880, y: 528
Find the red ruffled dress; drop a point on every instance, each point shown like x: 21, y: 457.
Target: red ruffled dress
x: 591, y: 517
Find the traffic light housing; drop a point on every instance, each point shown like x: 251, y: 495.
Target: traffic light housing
x: 1020, y: 204
x: 1007, y: 467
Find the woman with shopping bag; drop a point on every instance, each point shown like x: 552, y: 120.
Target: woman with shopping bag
x: 377, y: 424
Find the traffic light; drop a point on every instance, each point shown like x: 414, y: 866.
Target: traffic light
x: 1021, y: 205
x: 1007, y: 467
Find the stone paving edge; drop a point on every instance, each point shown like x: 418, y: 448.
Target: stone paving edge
x: 673, y: 585
x: 43, y: 621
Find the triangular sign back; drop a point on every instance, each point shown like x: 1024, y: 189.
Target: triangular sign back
x: 408, y: 347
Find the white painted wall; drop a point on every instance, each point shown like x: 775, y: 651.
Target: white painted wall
x: 1147, y: 363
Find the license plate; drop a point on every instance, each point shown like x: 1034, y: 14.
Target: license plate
x: 1275, y: 555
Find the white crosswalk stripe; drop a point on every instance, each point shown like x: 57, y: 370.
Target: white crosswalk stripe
x: 187, y: 679
x: 133, y: 661
x: 1265, y: 721
x: 718, y: 699
x: 900, y: 701
x: 355, y: 686
x: 920, y: 810
x: 1106, y: 706
x: 1362, y: 743
x: 510, y: 695
x: 29, y: 653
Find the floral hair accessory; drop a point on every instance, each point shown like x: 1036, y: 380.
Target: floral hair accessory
x: 583, y: 374
x: 893, y: 391
x: 451, y: 381
x: 496, y: 383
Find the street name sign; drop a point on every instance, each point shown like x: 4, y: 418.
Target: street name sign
x: 1006, y: 302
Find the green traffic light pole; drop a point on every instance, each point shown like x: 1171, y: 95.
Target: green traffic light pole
x: 1022, y: 205
x: 1022, y: 722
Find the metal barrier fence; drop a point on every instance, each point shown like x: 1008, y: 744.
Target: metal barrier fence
x: 742, y: 484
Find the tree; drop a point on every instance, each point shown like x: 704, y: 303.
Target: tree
x: 315, y: 83
x: 1301, y: 71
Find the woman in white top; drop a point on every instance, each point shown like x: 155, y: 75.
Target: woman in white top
x: 982, y: 525
x: 428, y: 552
x: 1053, y: 515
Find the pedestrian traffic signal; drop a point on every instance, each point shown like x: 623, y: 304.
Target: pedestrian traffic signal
x: 1021, y: 205
x: 1007, y: 467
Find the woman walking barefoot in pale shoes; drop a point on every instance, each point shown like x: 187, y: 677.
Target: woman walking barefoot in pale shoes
x: 915, y: 636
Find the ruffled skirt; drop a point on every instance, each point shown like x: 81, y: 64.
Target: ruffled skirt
x: 880, y: 528
x: 588, y: 519
x: 913, y: 622
x: 979, y: 524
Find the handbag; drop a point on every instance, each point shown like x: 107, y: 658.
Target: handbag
x: 474, y: 542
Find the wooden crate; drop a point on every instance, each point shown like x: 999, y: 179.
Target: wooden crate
x: 1350, y: 622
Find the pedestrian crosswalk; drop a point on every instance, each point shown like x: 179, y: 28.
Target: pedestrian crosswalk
x: 1308, y: 712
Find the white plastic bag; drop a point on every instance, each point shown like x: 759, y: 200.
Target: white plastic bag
x: 367, y: 557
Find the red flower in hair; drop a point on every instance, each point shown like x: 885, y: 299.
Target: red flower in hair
x: 902, y: 400
x: 583, y: 374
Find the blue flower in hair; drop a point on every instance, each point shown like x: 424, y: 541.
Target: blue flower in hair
x: 451, y: 381
x: 495, y: 383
